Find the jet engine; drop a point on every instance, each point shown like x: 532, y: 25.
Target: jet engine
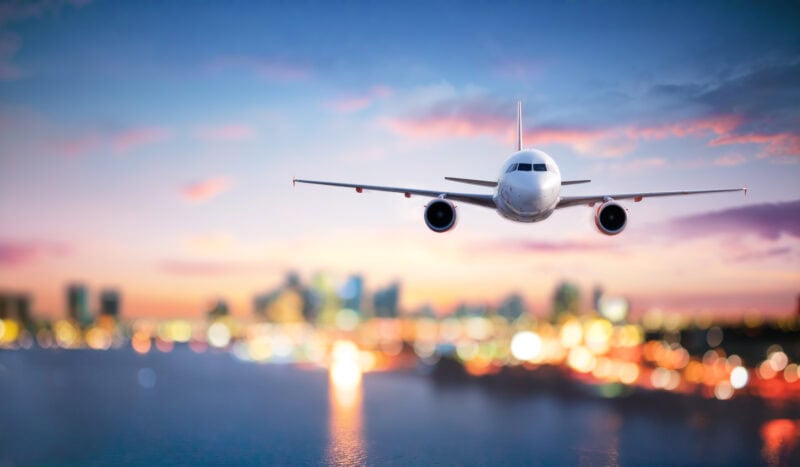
x: 610, y: 218
x: 440, y: 215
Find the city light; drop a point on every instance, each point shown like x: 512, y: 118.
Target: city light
x: 526, y: 345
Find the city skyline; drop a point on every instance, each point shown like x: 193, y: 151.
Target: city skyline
x: 151, y: 149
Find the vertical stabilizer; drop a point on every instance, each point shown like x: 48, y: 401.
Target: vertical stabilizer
x: 519, y: 125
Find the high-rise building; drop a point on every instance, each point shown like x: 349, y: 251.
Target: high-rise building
x: 597, y: 296
x: 291, y: 302
x: 218, y: 310
x: 386, y: 301
x: 566, y: 300
x: 512, y: 307
x: 110, y: 303
x: 78, y: 304
x: 17, y: 307
x: 352, y: 294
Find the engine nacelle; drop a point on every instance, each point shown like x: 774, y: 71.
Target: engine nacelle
x: 440, y: 215
x: 610, y: 218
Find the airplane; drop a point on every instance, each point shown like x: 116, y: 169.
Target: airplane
x: 528, y: 189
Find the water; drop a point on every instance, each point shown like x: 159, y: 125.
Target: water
x: 118, y: 407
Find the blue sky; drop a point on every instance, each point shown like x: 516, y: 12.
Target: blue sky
x: 151, y: 147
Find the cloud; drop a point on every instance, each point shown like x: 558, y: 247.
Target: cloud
x: 211, y: 268
x: 780, y: 144
x: 205, y: 190
x: 15, y: 253
x: 768, y: 221
x: 267, y: 68
x: 119, y: 141
x: 355, y: 103
x: 762, y: 99
x: 233, y: 132
x: 484, y: 116
x: 545, y: 246
x: 760, y: 255
x: 126, y: 140
x: 469, y: 117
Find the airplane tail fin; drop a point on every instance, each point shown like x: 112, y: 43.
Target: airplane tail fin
x: 519, y: 125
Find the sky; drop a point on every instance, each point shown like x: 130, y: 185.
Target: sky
x: 150, y: 147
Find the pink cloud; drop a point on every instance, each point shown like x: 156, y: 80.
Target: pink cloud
x: 270, y: 69
x: 444, y: 126
x: 780, y: 144
x: 205, y: 190
x: 230, y: 132
x: 481, y: 119
x: 78, y: 146
x: 719, y: 125
x: 117, y: 141
x: 354, y: 103
x: 135, y: 137
x: 211, y: 268
x: 15, y: 253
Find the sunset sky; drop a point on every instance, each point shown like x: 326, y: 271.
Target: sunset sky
x: 150, y: 147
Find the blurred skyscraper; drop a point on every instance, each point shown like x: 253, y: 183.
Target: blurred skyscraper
x: 78, y: 304
x: 597, y: 295
x: 352, y: 294
x: 110, y: 303
x: 218, y: 310
x: 17, y: 307
x: 386, y: 301
x: 512, y: 307
x: 291, y: 302
x: 566, y: 300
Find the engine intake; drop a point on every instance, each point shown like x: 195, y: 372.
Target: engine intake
x: 440, y: 215
x: 611, y: 218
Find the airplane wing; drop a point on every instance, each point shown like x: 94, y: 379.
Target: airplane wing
x: 567, y: 201
x: 472, y: 181
x: 469, y: 198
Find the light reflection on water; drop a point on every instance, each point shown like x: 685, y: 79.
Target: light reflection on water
x: 780, y: 437
x: 346, y: 444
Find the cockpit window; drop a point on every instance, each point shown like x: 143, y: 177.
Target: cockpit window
x: 511, y: 168
x: 539, y: 168
x: 524, y: 167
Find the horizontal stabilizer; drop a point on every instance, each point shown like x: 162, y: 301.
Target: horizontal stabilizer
x: 472, y: 181
x: 574, y: 182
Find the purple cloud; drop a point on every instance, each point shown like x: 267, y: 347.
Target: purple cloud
x: 759, y: 255
x: 768, y: 221
x: 18, y: 252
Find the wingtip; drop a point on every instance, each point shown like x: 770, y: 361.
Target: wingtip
x: 294, y: 182
x: 745, y: 189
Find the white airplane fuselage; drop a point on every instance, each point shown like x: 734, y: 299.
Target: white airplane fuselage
x: 524, y: 194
